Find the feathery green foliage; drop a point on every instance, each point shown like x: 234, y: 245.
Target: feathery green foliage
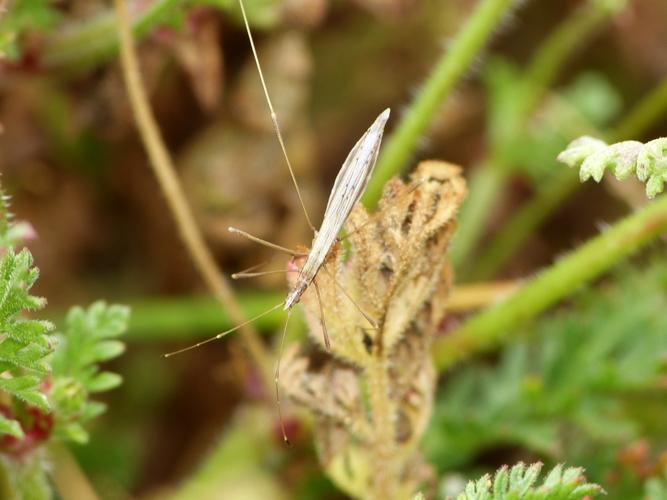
x: 21, y: 16
x: 519, y: 483
x: 46, y: 388
x: 593, y: 156
x: 24, y: 343
x: 572, y: 385
x: 85, y: 343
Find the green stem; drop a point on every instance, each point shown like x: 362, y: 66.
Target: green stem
x: 6, y: 488
x: 643, y: 115
x: 548, y: 60
x: 185, y: 318
x: 561, y: 44
x: 533, y: 213
x: 486, y: 181
x: 68, y: 477
x: 385, y: 476
x: 193, y: 318
x: 95, y: 40
x: 494, y: 325
x: 447, y: 72
x: 524, y: 222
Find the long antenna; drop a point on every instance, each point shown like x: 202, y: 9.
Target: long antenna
x: 222, y: 334
x: 277, y: 378
x: 274, y: 117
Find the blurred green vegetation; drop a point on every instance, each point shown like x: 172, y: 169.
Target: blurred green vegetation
x: 580, y: 385
x: 506, y: 87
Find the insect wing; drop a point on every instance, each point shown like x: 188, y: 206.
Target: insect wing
x: 350, y: 183
x: 355, y: 173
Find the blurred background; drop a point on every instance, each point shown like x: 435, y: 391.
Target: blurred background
x: 586, y: 386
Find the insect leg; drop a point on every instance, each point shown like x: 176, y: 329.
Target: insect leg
x: 355, y: 230
x: 327, y: 342
x: 244, y: 274
x: 370, y: 320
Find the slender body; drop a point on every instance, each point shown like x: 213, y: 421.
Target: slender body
x: 350, y: 184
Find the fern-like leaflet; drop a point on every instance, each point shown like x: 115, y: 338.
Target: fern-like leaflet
x: 520, y: 483
x: 24, y: 343
x: 647, y: 161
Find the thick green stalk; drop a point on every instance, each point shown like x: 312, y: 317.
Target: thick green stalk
x: 531, y: 215
x: 495, y: 324
x: 549, y: 58
x: 191, y: 318
x: 95, y: 41
x: 447, y: 72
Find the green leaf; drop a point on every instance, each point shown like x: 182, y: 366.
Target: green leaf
x: 75, y: 364
x: 11, y: 427
x: 24, y: 345
x: 105, y: 381
x: 593, y: 157
x: 34, y: 398
x: 73, y: 432
x: 92, y: 409
x: 106, y: 350
x: 579, y: 383
x: 520, y: 483
x: 21, y: 16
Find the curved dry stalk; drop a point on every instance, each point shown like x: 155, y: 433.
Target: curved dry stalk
x: 163, y: 168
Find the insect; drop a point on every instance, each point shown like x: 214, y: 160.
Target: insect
x: 350, y: 184
x: 348, y: 187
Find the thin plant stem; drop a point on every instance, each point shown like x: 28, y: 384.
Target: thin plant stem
x: 533, y: 213
x: 524, y: 222
x: 494, y: 325
x: 490, y: 177
x: 6, y: 488
x: 445, y: 75
x: 561, y: 44
x: 69, y: 479
x: 95, y: 40
x: 469, y: 297
x: 164, y: 170
x: 384, y: 481
x: 486, y: 182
